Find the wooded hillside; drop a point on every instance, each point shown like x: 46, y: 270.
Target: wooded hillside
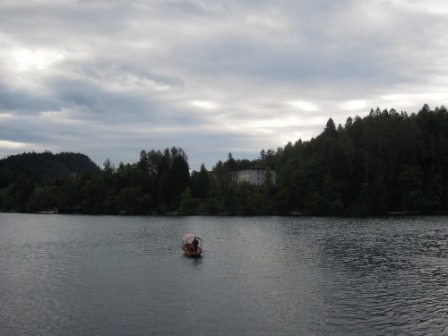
x: 44, y: 167
x: 386, y: 162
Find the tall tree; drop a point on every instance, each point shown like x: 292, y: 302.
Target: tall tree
x: 201, y: 188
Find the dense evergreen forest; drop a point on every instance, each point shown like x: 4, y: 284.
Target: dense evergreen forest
x: 386, y: 162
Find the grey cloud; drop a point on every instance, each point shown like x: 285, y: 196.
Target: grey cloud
x: 95, y: 99
x: 130, y: 71
x: 180, y: 8
x: 25, y: 19
x: 74, y: 92
x: 23, y: 101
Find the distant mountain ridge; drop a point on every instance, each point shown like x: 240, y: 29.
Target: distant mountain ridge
x: 43, y: 167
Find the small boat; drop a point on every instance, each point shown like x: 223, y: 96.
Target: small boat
x: 192, y: 245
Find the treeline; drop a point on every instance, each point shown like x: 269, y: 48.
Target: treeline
x: 383, y: 163
x: 386, y: 162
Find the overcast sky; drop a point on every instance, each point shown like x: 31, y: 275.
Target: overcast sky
x: 108, y: 78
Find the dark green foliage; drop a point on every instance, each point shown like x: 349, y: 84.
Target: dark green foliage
x: 180, y: 176
x: 386, y: 162
x: 45, y: 167
x: 21, y: 174
x: 44, y: 198
x: 188, y: 204
x: 201, y: 184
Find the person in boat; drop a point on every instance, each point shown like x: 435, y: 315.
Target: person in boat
x: 195, y: 244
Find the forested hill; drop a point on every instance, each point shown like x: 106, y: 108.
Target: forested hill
x: 386, y: 162
x: 44, y: 167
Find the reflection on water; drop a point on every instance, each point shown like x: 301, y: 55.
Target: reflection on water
x: 85, y: 275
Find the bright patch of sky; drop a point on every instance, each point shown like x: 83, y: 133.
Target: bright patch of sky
x: 110, y: 78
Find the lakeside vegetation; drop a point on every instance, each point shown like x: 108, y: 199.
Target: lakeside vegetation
x: 386, y: 162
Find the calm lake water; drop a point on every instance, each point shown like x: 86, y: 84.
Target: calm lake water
x: 87, y: 275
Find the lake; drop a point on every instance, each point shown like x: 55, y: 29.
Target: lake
x: 105, y: 275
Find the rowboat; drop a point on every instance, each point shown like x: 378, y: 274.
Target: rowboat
x: 192, y: 245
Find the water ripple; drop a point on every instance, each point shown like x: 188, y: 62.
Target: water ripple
x: 84, y: 275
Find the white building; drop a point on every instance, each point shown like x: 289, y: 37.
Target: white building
x: 255, y: 176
